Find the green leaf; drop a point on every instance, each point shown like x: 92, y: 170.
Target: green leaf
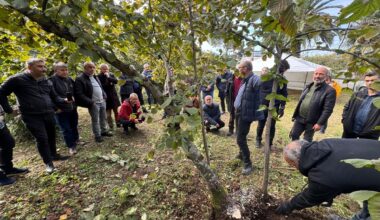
x: 376, y: 102
x: 166, y: 103
x: 149, y: 119
x: 264, y: 3
x: 357, y: 10
x: 362, y: 163
x: 192, y: 110
x: 277, y: 6
x: 289, y: 25
x: 376, y: 86
x: 362, y: 195
x: 374, y: 206
x: 150, y: 155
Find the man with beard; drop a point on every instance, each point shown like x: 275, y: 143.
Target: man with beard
x: 314, y: 107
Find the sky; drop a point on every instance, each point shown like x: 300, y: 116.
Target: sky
x: 207, y: 47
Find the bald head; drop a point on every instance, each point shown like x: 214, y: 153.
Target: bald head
x: 320, y: 74
x: 89, y: 68
x: 208, y: 100
x: 292, y: 152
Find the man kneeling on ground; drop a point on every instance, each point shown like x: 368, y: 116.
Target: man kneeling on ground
x: 130, y: 112
x: 211, y: 114
x: 327, y: 175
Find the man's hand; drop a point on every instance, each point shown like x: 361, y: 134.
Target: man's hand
x: 284, y: 209
x: 316, y: 127
x: 280, y: 112
x: 136, y: 121
x: 68, y: 101
x: 217, y: 125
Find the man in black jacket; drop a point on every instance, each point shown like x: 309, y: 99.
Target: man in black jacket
x: 90, y: 94
x: 327, y: 175
x: 360, y: 115
x: 211, y: 115
x: 221, y: 83
x: 37, y: 99
x: 314, y: 107
x: 7, y: 144
x: 66, y: 115
x: 266, y: 89
x: 232, y: 89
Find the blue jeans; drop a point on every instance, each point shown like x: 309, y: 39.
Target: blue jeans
x: 68, y: 123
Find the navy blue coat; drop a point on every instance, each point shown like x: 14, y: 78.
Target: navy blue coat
x: 250, y: 102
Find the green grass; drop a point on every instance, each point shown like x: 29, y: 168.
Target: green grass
x: 133, y: 186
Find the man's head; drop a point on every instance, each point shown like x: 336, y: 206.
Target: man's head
x: 264, y: 70
x: 245, y: 67
x: 104, y: 68
x: 292, y: 152
x: 133, y: 99
x: 89, y: 68
x: 284, y: 65
x: 36, y: 67
x: 320, y: 74
x: 60, y: 69
x: 208, y: 100
x: 146, y: 66
x: 369, y: 79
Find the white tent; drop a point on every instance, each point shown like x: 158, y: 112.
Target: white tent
x: 299, y: 74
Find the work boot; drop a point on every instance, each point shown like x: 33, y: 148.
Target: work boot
x: 99, y: 139
x: 247, y: 170
x: 72, y: 150
x: 50, y: 168
x: 4, y: 180
x: 107, y: 134
x: 16, y: 171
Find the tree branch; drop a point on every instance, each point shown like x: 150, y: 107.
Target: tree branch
x: 51, y: 26
x: 253, y: 41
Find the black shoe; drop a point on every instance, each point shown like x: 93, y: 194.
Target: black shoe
x: 59, y: 157
x: 230, y: 133
x: 16, y: 171
x: 4, y: 180
x: 134, y: 127
x: 258, y: 144
x: 247, y: 170
x: 118, y: 124
x: 99, y: 139
x: 107, y: 134
x: 144, y: 110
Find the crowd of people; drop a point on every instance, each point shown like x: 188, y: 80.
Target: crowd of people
x: 44, y: 102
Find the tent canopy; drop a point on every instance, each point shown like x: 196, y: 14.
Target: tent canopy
x: 299, y: 74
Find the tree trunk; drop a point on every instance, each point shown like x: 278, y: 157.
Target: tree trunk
x: 218, y: 193
x: 268, y: 125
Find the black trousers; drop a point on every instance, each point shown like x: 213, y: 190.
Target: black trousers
x: 42, y: 128
x: 219, y: 121
x: 241, y: 139
x: 223, y: 102
x: 299, y: 128
x: 127, y: 124
x: 232, y: 121
x: 260, y: 129
x: 7, y: 144
x: 347, y: 134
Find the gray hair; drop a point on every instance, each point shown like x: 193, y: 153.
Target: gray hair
x: 103, y: 65
x: 33, y: 61
x: 85, y: 64
x: 146, y: 65
x: 133, y: 95
x: 294, y: 153
x: 247, y: 63
x: 58, y: 65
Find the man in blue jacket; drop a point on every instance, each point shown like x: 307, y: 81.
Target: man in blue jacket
x: 246, y: 105
x: 328, y: 177
x: 211, y: 115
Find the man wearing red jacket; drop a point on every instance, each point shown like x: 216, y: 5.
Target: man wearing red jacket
x: 130, y: 112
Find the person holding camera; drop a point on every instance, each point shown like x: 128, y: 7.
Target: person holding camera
x: 66, y: 114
